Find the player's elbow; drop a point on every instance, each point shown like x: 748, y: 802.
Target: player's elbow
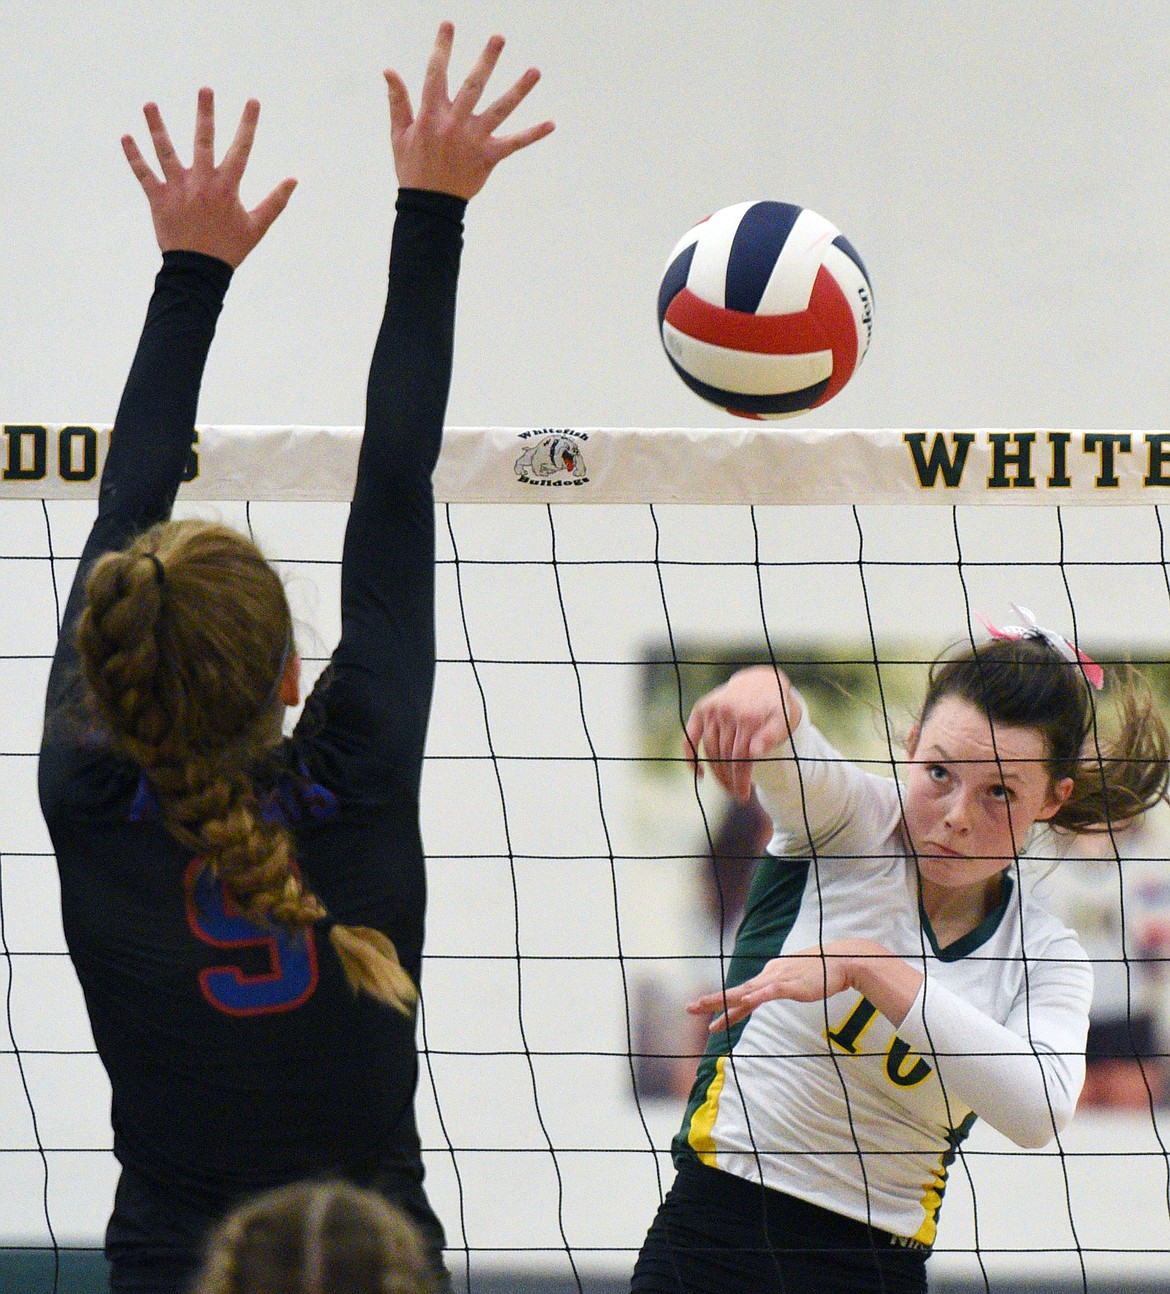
x: 1034, y: 1124
x: 1033, y: 1137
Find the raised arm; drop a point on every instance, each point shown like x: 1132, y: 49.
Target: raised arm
x: 204, y: 233
x: 367, y: 725
x: 753, y: 731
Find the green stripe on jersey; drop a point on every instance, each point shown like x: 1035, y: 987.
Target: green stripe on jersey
x: 769, y: 915
x: 932, y: 1197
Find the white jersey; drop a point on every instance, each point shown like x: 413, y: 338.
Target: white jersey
x: 829, y: 1102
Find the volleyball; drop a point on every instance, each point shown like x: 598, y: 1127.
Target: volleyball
x: 765, y: 309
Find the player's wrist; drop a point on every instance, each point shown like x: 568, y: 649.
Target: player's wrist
x: 882, y: 978
x: 858, y: 964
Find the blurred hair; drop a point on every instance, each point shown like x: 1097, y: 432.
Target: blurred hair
x: 1025, y: 683
x: 317, y: 1238
x: 184, y: 641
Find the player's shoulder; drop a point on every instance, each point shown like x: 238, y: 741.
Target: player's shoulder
x: 84, y: 780
x: 1040, y: 930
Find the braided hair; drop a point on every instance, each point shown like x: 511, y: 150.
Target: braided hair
x: 184, y: 642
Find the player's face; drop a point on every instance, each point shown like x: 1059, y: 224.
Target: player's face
x: 973, y: 793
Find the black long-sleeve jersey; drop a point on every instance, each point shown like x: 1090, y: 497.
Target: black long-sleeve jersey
x: 238, y: 1054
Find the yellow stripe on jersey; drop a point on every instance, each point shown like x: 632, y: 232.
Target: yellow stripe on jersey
x: 703, y: 1120
x: 931, y: 1203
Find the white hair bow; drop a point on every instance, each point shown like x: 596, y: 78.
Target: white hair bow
x: 1031, y: 628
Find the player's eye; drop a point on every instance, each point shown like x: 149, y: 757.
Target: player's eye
x: 1002, y: 793
x: 937, y: 772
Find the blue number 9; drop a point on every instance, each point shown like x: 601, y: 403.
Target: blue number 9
x: 215, y: 919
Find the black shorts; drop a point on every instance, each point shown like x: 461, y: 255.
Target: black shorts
x: 716, y: 1232
x: 156, y: 1242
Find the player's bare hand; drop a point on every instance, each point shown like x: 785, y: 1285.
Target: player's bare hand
x: 448, y: 147
x: 197, y: 208
x: 810, y: 975
x: 736, y: 724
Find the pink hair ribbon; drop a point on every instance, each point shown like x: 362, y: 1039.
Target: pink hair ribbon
x: 1059, y: 644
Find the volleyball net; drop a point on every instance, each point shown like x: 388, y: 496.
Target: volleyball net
x: 592, y: 584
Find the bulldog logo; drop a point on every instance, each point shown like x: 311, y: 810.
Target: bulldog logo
x: 552, y: 458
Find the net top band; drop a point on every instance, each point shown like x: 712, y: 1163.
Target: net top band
x: 732, y: 465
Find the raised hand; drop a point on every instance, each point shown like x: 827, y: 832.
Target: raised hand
x: 447, y: 147
x: 198, y: 208
x: 738, y: 723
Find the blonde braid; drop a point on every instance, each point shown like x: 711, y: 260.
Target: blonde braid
x: 119, y: 648
x: 214, y: 811
x: 183, y: 643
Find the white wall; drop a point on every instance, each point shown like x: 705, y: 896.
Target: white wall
x: 1001, y: 168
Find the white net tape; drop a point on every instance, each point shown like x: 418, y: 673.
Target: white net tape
x: 747, y: 465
